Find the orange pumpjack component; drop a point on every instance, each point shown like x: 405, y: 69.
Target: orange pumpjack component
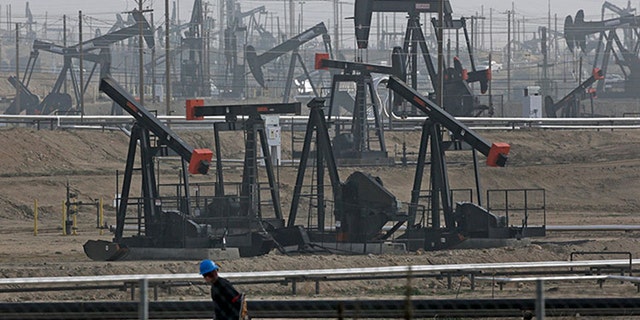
x: 191, y: 108
x: 200, y: 160
x: 597, y: 74
x: 497, y: 154
x: 318, y: 58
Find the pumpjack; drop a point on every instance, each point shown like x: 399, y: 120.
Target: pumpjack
x: 194, y: 73
x: 362, y: 206
x: 246, y: 218
x: 158, y: 231
x: 570, y: 103
x: 292, y: 45
x: 236, y: 35
x: 609, y: 44
x: 356, y: 145
x: 188, y: 44
x: 467, y: 221
x: 96, y: 50
x: 224, y: 224
x: 458, y: 97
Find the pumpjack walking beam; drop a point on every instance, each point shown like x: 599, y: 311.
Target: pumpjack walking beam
x: 496, y: 153
x: 146, y: 123
x: 365, y: 8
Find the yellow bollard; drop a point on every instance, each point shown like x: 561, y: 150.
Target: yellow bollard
x: 101, y: 219
x: 74, y: 227
x: 35, y: 217
x: 64, y: 219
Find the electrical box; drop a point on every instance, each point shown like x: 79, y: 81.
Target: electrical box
x: 274, y: 138
x: 532, y: 102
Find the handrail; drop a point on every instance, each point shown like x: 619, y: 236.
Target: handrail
x: 486, y: 123
x: 142, y: 306
x: 328, y: 274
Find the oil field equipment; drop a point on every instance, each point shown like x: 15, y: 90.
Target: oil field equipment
x: 194, y: 73
x: 292, y: 45
x: 570, y: 103
x: 247, y: 219
x: 96, y: 50
x: 362, y: 207
x: 361, y: 204
x: 468, y: 221
x: 236, y: 35
x: 223, y: 223
x: 157, y: 229
x: 355, y: 146
x: 458, y: 97
x: 609, y: 44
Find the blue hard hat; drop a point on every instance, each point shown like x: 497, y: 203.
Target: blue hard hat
x: 207, y: 266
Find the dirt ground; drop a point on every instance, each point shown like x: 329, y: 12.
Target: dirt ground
x: 590, y: 177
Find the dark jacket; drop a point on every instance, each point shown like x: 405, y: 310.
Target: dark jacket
x: 228, y: 301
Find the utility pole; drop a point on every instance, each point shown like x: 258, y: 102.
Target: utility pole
x: 549, y: 22
x: 482, y: 27
x: 440, y: 36
x: 17, y: 99
x: 1, y: 43
x: 81, y: 102
x: 64, y: 43
x: 301, y: 24
x: 522, y: 33
x: 292, y: 18
x: 167, y: 72
x: 207, y: 25
x: 543, y: 48
x: 336, y: 27
x: 140, y: 58
x: 475, y: 26
x: 490, y: 30
x: 509, y: 12
x: 555, y: 40
x: 490, y: 57
x: 153, y: 66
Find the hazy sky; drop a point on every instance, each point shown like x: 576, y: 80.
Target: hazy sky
x: 533, y: 12
x: 106, y: 8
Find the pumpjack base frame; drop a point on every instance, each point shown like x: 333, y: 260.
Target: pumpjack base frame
x: 347, y: 248
x: 101, y: 250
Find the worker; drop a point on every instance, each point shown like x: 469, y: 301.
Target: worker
x: 229, y: 303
